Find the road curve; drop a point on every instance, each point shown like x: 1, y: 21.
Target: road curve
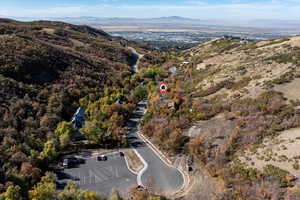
x: 155, y: 173
x: 138, y: 57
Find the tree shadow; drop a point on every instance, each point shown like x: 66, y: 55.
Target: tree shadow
x: 137, y: 144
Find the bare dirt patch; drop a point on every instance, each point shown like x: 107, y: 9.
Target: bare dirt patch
x: 295, y: 41
x: 290, y: 90
x: 282, y: 151
x: 49, y: 30
x: 77, y: 43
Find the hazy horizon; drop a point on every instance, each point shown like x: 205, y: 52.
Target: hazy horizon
x: 230, y: 10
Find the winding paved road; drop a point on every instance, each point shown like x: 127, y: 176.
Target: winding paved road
x: 157, y: 173
x: 114, y: 173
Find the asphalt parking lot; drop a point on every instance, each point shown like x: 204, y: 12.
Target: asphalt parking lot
x: 99, y: 176
x: 103, y: 176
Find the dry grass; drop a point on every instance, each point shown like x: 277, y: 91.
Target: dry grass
x: 295, y: 41
x: 290, y: 90
x: 203, y: 186
x: 134, y: 161
x: 256, y: 61
x: 282, y: 151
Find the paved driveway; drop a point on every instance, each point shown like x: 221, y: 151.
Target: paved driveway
x: 157, y: 175
x: 100, y: 176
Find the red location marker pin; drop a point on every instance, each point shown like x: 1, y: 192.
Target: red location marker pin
x: 163, y: 88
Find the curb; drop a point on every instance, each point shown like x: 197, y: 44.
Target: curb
x: 186, y: 179
x: 139, y: 176
x: 156, y: 150
x: 164, y: 159
x: 161, y: 156
x: 168, y: 162
x: 127, y: 164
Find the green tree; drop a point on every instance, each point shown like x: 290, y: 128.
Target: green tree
x: 65, y: 132
x: 156, y: 198
x: 84, y: 102
x: 49, y: 152
x: 94, y: 131
x: 45, y: 189
x: 12, y: 193
x: 64, y: 140
x: 115, y: 195
x: 90, y: 195
x: 65, y: 128
x: 72, y: 192
x: 141, y: 92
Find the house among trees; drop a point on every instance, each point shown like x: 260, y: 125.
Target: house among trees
x: 78, y: 118
x: 78, y: 122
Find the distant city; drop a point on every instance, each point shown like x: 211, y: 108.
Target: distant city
x: 183, y: 33
x: 183, y: 40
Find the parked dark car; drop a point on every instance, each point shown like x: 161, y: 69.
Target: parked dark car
x: 72, y: 161
x: 102, y: 158
x: 79, y: 160
x: 67, y: 163
x: 121, y: 154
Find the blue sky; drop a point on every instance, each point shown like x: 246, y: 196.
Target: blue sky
x: 200, y: 9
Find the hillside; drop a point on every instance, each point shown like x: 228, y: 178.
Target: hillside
x: 227, y: 98
x: 48, y: 70
x: 231, y: 113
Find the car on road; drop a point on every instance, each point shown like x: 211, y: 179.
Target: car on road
x: 102, y: 158
x: 121, y: 154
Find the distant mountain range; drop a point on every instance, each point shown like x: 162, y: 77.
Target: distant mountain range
x: 182, y: 23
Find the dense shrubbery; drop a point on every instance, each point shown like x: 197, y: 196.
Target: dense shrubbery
x: 254, y: 119
x: 45, y: 189
x: 106, y: 118
x: 247, y: 121
x: 44, y: 77
x: 167, y: 134
x: 153, y: 72
x: 141, y: 92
